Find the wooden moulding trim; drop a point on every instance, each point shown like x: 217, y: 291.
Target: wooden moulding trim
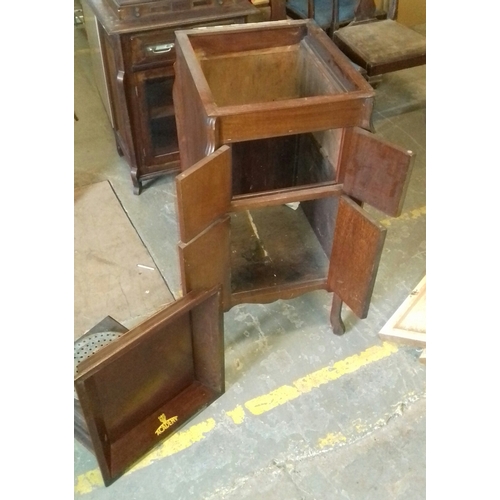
x: 114, y: 25
x: 395, y: 65
x: 280, y: 197
x: 310, y: 115
x: 273, y: 293
x: 298, y: 103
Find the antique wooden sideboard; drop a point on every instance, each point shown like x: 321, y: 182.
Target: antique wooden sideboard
x: 277, y: 161
x: 133, y: 50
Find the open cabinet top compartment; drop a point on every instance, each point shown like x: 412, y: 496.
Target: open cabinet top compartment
x: 269, y: 79
x: 143, y: 386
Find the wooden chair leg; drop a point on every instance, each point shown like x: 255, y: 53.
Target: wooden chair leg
x: 338, y: 326
x: 278, y: 10
x: 374, y: 81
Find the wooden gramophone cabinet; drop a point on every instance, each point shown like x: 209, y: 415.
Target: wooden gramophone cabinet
x: 277, y: 161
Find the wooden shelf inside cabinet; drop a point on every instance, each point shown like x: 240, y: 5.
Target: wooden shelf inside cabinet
x: 143, y: 386
x: 162, y: 112
x: 132, y: 42
x: 271, y: 122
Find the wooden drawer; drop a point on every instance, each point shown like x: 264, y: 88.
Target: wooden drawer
x: 154, y: 47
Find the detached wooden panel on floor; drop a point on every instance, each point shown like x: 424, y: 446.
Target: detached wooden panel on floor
x: 408, y: 323
x: 144, y: 385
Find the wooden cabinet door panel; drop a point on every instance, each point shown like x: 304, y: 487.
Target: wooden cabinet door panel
x: 357, y: 246
x: 206, y: 260
x: 375, y: 171
x: 204, y: 193
x: 142, y: 387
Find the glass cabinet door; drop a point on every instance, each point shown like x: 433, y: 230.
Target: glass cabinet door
x: 157, y: 118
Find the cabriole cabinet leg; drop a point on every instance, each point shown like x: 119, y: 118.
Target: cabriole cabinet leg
x: 338, y: 326
x: 137, y: 185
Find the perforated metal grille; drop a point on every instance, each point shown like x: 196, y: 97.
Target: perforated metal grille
x: 86, y: 346
x: 89, y: 344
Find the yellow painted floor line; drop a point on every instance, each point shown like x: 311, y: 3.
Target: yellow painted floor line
x: 359, y: 428
x: 181, y: 440
x: 412, y: 214
x: 285, y: 393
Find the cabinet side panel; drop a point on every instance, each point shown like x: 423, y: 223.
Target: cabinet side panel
x: 195, y: 130
x: 112, y: 51
x: 321, y: 214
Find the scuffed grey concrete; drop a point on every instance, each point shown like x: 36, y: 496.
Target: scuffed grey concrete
x: 389, y: 463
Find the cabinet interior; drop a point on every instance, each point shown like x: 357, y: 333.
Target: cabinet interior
x: 270, y: 73
x: 161, y: 116
x: 293, y: 161
x: 281, y: 246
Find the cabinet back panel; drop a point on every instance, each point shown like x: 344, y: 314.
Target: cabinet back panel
x: 236, y: 40
x: 280, y: 163
x: 253, y: 77
x: 264, y: 164
x: 268, y: 75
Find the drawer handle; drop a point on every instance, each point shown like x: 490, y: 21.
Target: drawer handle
x: 160, y: 49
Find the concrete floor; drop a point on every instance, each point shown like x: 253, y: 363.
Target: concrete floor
x: 306, y: 415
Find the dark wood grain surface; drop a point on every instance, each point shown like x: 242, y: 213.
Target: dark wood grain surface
x: 140, y: 388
